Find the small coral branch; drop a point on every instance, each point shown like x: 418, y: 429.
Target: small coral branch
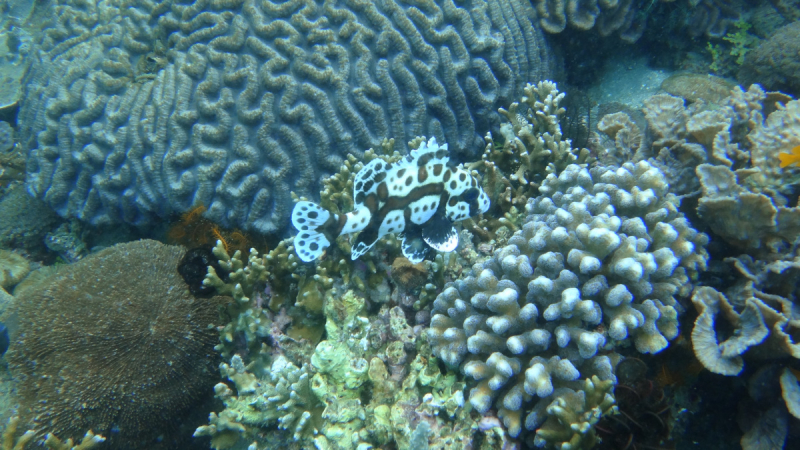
x: 89, y: 441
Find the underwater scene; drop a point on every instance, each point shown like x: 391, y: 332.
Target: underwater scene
x: 399, y: 224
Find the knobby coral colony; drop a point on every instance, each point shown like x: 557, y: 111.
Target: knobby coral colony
x: 537, y: 325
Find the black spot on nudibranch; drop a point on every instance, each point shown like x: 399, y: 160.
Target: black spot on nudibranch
x: 453, y: 184
x: 379, y: 177
x: 359, y: 185
x: 437, y: 170
x: 368, y: 185
x: 409, y: 180
x: 313, y: 246
x: 400, y: 173
x: 313, y: 214
x: 446, y: 177
x: 462, y: 177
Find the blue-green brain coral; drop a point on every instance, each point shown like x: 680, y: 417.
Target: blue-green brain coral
x: 136, y: 109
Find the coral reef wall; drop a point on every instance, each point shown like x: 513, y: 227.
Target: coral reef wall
x: 136, y: 109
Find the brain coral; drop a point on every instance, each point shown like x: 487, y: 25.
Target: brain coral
x: 599, y: 261
x: 775, y: 64
x: 116, y: 344
x: 135, y: 109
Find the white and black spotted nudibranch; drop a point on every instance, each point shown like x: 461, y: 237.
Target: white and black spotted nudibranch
x: 419, y: 197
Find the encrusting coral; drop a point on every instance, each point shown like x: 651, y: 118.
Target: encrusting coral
x: 234, y: 104
x: 599, y: 261
x: 115, y: 343
x: 320, y: 403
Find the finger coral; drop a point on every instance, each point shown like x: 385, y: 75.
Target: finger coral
x: 115, y: 343
x: 139, y: 109
x: 600, y: 261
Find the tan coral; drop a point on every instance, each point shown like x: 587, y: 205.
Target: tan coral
x: 724, y: 357
x: 693, y: 87
x: 408, y: 275
x: 790, y: 392
x: 10, y: 442
x: 765, y: 328
x: 743, y: 218
x: 779, y: 133
x: 13, y: 268
x: 574, y: 414
x: 626, y: 134
x: 533, y: 143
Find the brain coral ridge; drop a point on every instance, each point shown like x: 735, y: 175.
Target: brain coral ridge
x: 606, y: 16
x: 599, y: 261
x: 136, y: 109
x: 115, y: 343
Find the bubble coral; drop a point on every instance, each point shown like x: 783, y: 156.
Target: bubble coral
x: 115, y: 343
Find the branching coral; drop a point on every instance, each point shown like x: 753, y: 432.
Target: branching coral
x: 249, y: 284
x: 280, y: 394
x: 321, y: 402
x: 10, y: 442
x: 530, y: 145
x: 598, y: 262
